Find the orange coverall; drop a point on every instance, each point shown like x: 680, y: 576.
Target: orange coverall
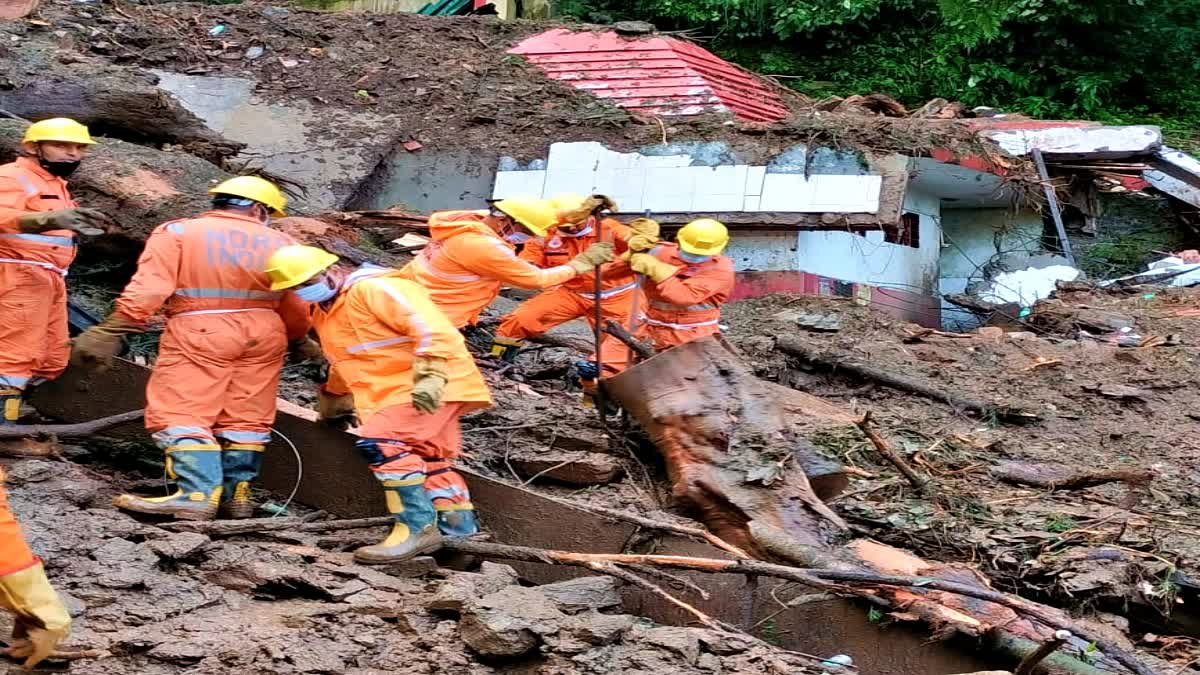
x: 34, y: 341
x: 687, y: 306
x: 370, y: 335
x: 465, y: 264
x: 227, y: 332
x: 14, y: 552
x: 577, y: 297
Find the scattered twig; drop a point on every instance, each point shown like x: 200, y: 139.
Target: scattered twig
x: 1048, y: 647
x: 642, y: 521
x: 890, y: 455
x: 69, y: 430
x: 673, y: 579
x: 836, y: 363
x: 814, y: 577
x: 630, y: 577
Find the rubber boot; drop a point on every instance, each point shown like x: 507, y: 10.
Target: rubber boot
x: 10, y: 406
x: 415, y: 531
x: 196, y: 469
x: 240, y: 463
x: 457, y: 523
x: 506, y: 348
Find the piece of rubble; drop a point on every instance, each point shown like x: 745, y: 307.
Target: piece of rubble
x: 573, y: 468
x: 509, y: 622
x: 595, y: 628
x: 179, y: 545
x: 459, y: 589
x: 682, y: 641
x: 723, y: 643
x: 179, y: 652
x: 576, y: 595
x: 634, y: 28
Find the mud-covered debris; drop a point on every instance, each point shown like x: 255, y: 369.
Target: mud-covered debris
x: 683, y: 641
x: 724, y: 643
x: 573, y: 468
x: 583, y: 631
x: 179, y: 545
x: 509, y: 622
x: 274, y: 580
x: 180, y: 652
x: 458, y: 590
x: 1060, y: 477
x: 577, y: 595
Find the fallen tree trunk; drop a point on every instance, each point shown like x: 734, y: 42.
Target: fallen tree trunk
x: 729, y: 451
x: 835, y: 363
x: 1058, y: 477
x: 117, y: 104
x: 856, y: 581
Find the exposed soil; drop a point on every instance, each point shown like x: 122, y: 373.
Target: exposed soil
x: 443, y: 81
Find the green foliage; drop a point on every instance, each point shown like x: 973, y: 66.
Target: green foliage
x: 1061, y: 522
x: 874, y: 615
x: 1117, y: 61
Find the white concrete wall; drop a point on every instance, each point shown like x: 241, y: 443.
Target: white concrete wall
x: 672, y: 184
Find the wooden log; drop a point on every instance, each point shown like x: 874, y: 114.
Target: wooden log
x: 728, y: 447
x: 812, y: 577
x: 68, y: 430
x: 836, y: 363
x: 1058, y: 477
x: 229, y: 528
x: 618, y: 331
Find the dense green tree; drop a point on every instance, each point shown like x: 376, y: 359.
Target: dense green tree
x: 1120, y: 61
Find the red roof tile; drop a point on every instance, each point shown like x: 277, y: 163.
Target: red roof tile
x: 651, y: 76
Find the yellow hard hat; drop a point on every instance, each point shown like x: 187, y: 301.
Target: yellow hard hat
x: 291, y: 266
x: 252, y: 187
x: 566, y: 203
x: 58, y: 129
x: 703, y: 237
x: 539, y: 215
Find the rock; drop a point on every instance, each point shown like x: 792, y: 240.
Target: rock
x: 634, y: 28
x: 682, y: 641
x: 509, y: 622
x: 179, y: 652
x: 179, y: 545
x: 595, y: 628
x: 272, y: 579
x: 374, y: 602
x: 460, y: 589
x: 574, y: 468
x: 723, y: 643
x: 31, y: 471
x: 991, y: 332
x: 576, y: 595
x: 496, y: 634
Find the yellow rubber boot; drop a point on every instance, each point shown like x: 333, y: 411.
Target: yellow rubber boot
x: 415, y: 531
x: 196, y: 469
x: 10, y: 406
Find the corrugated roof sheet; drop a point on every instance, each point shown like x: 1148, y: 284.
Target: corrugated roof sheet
x: 651, y: 76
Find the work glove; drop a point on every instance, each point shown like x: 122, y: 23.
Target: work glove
x: 429, y: 383
x: 657, y: 270
x: 41, y: 619
x: 587, y: 208
x: 596, y: 254
x: 305, y: 349
x: 97, y: 346
x: 83, y: 221
x: 335, y: 410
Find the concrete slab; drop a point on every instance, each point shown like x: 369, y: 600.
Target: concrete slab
x: 430, y: 181
x: 284, y: 139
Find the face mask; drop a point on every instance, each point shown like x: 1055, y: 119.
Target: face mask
x: 517, y: 237
x: 59, y: 169
x: 318, y: 292
x: 692, y: 257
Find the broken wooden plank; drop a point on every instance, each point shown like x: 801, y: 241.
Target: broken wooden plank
x: 1059, y: 477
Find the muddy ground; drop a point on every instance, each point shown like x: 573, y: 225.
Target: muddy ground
x: 157, y: 601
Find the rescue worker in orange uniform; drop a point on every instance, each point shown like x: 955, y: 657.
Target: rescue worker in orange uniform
x: 41, y: 620
x: 579, y: 225
x: 473, y: 252
x: 396, y: 360
x: 38, y: 224
x: 684, y: 284
x: 210, y: 401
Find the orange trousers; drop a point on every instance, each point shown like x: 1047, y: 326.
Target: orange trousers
x: 555, y: 307
x: 217, y: 375
x: 35, y: 344
x: 408, y: 443
x: 14, y: 552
